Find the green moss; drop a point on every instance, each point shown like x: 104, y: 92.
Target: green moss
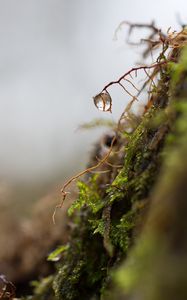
x: 121, y: 232
x: 153, y: 272
x: 88, y: 196
x: 68, y: 288
x: 55, y: 255
x: 98, y: 226
x: 138, y: 173
x: 179, y: 69
x: 108, y: 221
x: 43, y: 289
x: 156, y: 267
x: 128, y: 275
x: 81, y: 271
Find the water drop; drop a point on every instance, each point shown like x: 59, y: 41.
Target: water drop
x: 103, y: 101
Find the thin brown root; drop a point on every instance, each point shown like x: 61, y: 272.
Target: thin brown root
x: 132, y: 84
x: 118, y: 81
x: 88, y: 170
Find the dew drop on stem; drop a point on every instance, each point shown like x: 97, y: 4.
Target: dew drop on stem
x: 103, y: 102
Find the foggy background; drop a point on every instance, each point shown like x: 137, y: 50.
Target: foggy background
x: 55, y: 55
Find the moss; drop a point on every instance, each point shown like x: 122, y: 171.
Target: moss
x: 81, y: 270
x: 121, y: 232
x: 152, y: 271
x: 109, y: 223
x: 141, y: 160
x: 42, y: 289
x: 88, y: 195
x: 178, y: 70
x: 80, y: 274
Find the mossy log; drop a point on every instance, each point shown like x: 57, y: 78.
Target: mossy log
x: 130, y: 235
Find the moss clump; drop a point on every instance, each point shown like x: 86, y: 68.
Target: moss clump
x: 156, y: 267
x: 109, y: 220
x: 107, y: 225
x: 81, y: 270
x: 88, y: 196
x: 120, y: 233
x: 42, y: 289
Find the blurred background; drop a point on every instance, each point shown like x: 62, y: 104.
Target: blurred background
x: 55, y: 55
